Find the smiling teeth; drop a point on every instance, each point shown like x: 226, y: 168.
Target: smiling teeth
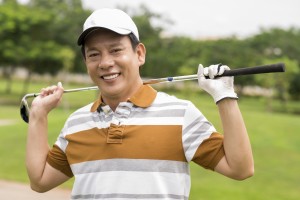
x: 110, y: 76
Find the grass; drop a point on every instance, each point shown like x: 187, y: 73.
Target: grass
x: 275, y: 143
x: 274, y: 138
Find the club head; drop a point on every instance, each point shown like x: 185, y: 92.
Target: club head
x: 24, y: 110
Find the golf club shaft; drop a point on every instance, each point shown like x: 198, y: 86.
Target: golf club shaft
x: 65, y: 91
x: 279, y: 67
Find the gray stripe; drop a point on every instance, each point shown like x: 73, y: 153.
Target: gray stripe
x: 80, y: 113
x: 90, y: 119
x: 169, y: 104
x: 141, y: 165
x: 204, y: 127
x: 159, y: 113
x: 129, y: 196
x: 83, y: 120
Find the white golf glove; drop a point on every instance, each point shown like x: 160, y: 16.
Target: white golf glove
x: 219, y: 88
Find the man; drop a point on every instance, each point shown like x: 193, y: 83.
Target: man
x: 133, y: 142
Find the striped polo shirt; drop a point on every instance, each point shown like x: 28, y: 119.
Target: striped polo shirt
x: 139, y: 151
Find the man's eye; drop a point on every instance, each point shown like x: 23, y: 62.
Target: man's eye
x: 93, y: 55
x: 116, y: 50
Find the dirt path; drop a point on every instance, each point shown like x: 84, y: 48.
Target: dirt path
x: 19, y: 191
x: 6, y: 122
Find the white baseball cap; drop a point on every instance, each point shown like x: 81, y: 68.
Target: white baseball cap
x: 113, y: 19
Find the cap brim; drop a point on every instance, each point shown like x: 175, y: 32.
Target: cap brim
x: 85, y: 33
x: 81, y: 38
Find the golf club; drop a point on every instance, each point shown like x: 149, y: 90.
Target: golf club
x: 278, y: 67
x: 24, y: 108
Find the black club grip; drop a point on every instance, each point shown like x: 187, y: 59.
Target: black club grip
x: 278, y: 67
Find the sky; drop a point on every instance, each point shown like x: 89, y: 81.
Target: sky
x: 215, y: 18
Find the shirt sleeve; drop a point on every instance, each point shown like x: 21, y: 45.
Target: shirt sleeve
x: 201, y: 142
x: 57, y: 157
x: 210, y: 152
x: 58, y: 160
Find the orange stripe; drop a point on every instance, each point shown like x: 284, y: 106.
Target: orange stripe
x: 210, y: 152
x: 136, y: 142
x: 57, y: 159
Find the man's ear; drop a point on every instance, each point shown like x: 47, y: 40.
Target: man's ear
x: 141, y: 53
x: 83, y: 52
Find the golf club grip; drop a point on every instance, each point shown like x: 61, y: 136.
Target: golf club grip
x: 278, y: 67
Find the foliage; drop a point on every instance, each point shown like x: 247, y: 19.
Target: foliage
x: 279, y: 81
x: 294, y: 87
x: 28, y: 41
x: 44, y: 41
x: 275, y: 42
x: 66, y: 25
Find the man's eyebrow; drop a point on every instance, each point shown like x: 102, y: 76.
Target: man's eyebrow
x: 91, y: 49
x: 115, y: 44
x: 111, y: 45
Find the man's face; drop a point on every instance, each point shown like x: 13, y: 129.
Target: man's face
x: 113, y: 65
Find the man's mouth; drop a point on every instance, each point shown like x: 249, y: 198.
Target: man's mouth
x: 110, y: 77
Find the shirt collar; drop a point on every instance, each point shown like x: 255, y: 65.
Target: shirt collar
x: 142, y: 98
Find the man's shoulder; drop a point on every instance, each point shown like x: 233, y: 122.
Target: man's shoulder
x: 82, y: 111
x: 86, y: 108
x: 165, y: 97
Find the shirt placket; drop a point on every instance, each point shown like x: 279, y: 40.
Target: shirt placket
x: 115, y: 131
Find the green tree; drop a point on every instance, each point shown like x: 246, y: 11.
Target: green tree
x: 280, y: 82
x: 68, y: 17
x: 276, y: 42
x: 150, y: 36
x: 294, y: 89
x: 28, y: 42
x: 281, y: 45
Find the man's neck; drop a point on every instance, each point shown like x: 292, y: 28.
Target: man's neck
x: 113, y: 102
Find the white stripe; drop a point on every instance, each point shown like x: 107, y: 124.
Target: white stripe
x: 81, y: 127
x: 166, y: 107
x: 194, y: 146
x: 191, y: 114
x: 198, y: 136
x: 155, y: 121
x: 132, y: 121
x: 143, y: 165
x: 120, y: 182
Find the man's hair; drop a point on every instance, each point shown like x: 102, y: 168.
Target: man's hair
x: 133, y: 40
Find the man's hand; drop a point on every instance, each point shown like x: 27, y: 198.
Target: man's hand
x: 48, y: 99
x: 218, y: 88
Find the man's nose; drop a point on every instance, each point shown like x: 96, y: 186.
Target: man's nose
x: 106, y: 62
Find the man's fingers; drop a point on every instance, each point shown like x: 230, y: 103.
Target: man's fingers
x: 212, y: 71
x: 216, y: 70
x: 200, y: 70
x: 222, y: 69
x: 52, y: 89
x: 59, y: 87
x: 205, y: 71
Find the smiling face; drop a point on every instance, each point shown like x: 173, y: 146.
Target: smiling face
x: 113, y: 64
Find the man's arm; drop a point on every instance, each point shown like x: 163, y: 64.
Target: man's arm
x: 238, y: 160
x: 42, y: 176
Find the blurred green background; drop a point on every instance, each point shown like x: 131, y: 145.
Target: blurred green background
x: 37, y: 50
